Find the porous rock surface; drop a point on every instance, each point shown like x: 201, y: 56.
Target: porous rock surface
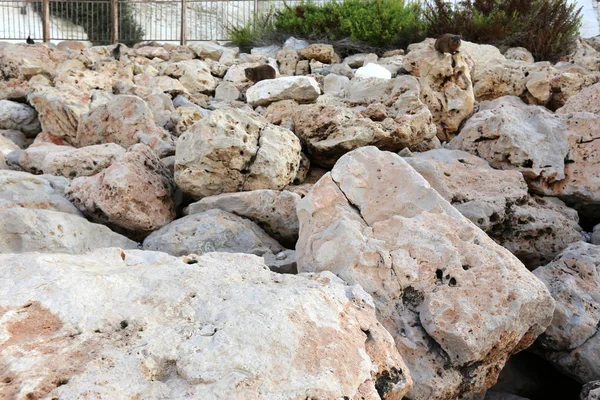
x: 572, y: 341
x: 215, y: 326
x: 375, y: 221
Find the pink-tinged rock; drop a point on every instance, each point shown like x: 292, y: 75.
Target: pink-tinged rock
x: 457, y: 304
x: 124, y: 120
x: 85, y: 161
x: 133, y: 195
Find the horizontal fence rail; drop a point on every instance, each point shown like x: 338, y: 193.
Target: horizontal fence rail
x: 129, y: 21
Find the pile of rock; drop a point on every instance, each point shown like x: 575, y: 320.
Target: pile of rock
x: 360, y: 228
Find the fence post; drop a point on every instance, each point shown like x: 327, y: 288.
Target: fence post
x: 46, y: 20
x: 183, y: 22
x: 114, y: 21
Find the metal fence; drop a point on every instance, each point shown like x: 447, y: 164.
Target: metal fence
x: 111, y: 21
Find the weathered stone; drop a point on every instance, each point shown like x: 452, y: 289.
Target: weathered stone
x: 210, y: 50
x: 32, y: 159
x: 152, y: 52
x: 125, y: 120
x: 132, y: 196
x: 360, y: 59
x: 17, y: 137
x: 19, y: 116
x: 446, y: 88
x: 85, y: 161
x: 303, y: 67
x: 226, y: 92
x: 236, y: 75
x: 566, y: 85
x: 21, y: 189
x: 572, y: 341
x: 234, y: 150
x: 194, y: 75
x: 13, y: 56
x: 281, y: 113
x: 299, y: 88
x: 585, y: 56
x: 149, y: 325
x: 371, y: 220
x: 272, y: 210
x: 184, y: 117
x: 287, y: 59
x: 7, y: 145
x: 335, y: 85
x: 27, y: 230
x: 162, y: 108
x: 520, y: 54
x: 587, y: 100
x: 512, y: 135
x: 373, y: 71
x: 590, y: 391
x: 320, y: 52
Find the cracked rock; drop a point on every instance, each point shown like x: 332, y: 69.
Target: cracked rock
x: 234, y: 150
x: 572, y: 341
x: 149, y: 325
x: 457, y: 304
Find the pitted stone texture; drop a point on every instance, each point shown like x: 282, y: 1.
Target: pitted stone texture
x: 233, y: 150
x: 302, y: 89
x: 84, y: 161
x: 194, y: 75
x: 274, y: 211
x: 512, y: 135
x: 124, y: 120
x: 587, y: 100
x: 439, y: 282
x: 45, y: 192
x: 572, y: 341
x: 132, y: 196
x: 148, y: 325
x: 25, y: 230
x: 320, y: 52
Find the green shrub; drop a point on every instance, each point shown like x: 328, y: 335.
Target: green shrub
x: 94, y: 17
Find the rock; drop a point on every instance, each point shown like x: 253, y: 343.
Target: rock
x: 182, y: 53
x: 371, y: 220
x: 533, y: 229
x: 20, y: 117
x: 149, y: 83
x: 234, y: 150
x: 152, y: 52
x: 266, y: 51
x: 394, y: 64
x: 24, y: 190
x: 572, y: 341
x: 28, y: 230
x: 512, y: 135
x: 581, y: 186
x: 520, y: 54
x: 539, y: 86
x: 162, y: 107
x: 446, y: 88
x: 287, y: 59
x: 274, y: 211
x: 194, y: 75
x: 208, y: 50
x: 296, y: 44
x: 184, y: 117
x: 335, y: 85
x: 585, y: 56
x: 360, y: 59
x: 318, y: 69
x: 595, y: 238
x: 320, y: 52
x: 85, y: 161
x: 299, y: 88
x: 590, y: 391
x: 32, y: 159
x: 281, y: 113
x: 236, y: 75
x: 17, y: 137
x: 74, y: 45
x: 132, y: 196
x: 342, y: 70
x: 14, y: 56
x: 587, y: 100
x: 125, y: 120
x: 218, y: 325
x: 375, y: 112
x: 7, y: 146
x: 211, y: 231
x: 373, y: 71
x: 59, y: 112
x: 566, y: 85
x: 226, y: 92
x: 303, y: 67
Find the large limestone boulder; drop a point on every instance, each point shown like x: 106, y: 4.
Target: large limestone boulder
x: 84, y: 161
x: 512, y: 135
x: 534, y: 229
x: 302, y: 89
x: 132, y: 196
x: 572, y: 341
x: 124, y: 120
x: 13, y: 57
x: 581, y: 186
x: 587, y: 100
x: 59, y: 111
x: 45, y: 192
x: 320, y: 52
x: 32, y: 159
x: 149, y: 325
x: 233, y: 150
x: 27, y: 230
x: 20, y: 117
x: 273, y: 210
x: 446, y: 87
x: 520, y: 54
x: 438, y: 281
x: 194, y: 75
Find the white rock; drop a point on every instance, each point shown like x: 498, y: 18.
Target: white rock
x: 335, y: 85
x: 226, y: 92
x: 299, y: 88
x: 148, y: 325
x: 373, y: 71
x: 85, y: 161
x: 20, y: 117
x: 27, y: 230
x: 295, y: 43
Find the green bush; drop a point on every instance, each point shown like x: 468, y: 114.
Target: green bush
x: 94, y: 17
